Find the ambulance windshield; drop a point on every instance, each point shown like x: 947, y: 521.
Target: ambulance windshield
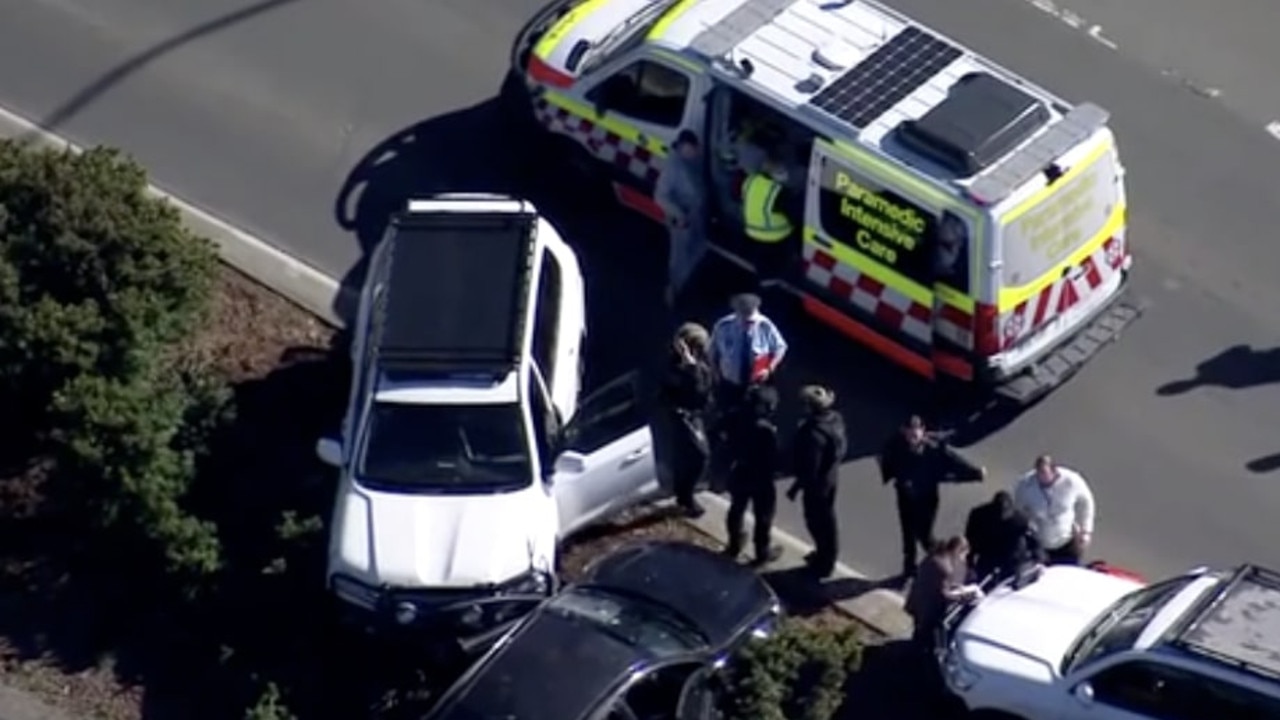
x: 628, y: 33
x: 1047, y: 229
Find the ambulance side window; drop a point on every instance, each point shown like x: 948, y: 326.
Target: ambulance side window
x: 951, y: 252
x: 646, y: 91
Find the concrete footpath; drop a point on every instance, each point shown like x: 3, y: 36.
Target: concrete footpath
x: 318, y: 293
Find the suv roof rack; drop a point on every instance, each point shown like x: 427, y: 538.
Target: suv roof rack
x: 1238, y: 623
x: 456, y: 290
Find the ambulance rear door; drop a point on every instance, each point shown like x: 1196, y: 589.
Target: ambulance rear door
x: 890, y: 260
x: 1062, y: 251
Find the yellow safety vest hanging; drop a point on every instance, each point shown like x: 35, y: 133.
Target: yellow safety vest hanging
x: 763, y: 223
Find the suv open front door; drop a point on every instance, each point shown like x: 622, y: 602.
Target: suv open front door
x: 606, y: 458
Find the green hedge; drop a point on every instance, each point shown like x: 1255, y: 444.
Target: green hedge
x: 101, y: 286
x: 798, y: 673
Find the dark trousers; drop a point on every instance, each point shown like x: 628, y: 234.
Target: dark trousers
x: 1068, y: 554
x: 761, y: 497
x: 917, y: 513
x: 820, y: 520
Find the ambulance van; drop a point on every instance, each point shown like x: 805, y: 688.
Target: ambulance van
x: 950, y: 215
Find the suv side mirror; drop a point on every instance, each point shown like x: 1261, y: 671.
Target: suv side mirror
x: 571, y: 462
x: 1083, y: 693
x: 329, y: 451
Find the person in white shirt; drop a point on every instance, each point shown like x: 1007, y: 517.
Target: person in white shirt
x: 1059, y: 506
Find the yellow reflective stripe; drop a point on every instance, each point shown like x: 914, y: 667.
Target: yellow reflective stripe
x: 683, y: 62
x: 548, y: 42
x: 1026, y: 205
x: 608, y: 122
x: 891, y: 278
x: 1010, y: 298
x: 956, y: 299
x: 668, y: 18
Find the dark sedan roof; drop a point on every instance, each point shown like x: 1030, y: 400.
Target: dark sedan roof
x: 715, y: 594
x: 552, y: 669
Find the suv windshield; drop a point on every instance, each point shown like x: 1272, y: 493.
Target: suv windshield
x: 638, y: 623
x: 1118, y: 628
x: 446, y: 448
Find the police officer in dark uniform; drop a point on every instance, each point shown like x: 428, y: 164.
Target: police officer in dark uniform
x: 819, y: 447
x: 752, y: 443
x: 916, y: 461
x: 1000, y: 539
x: 686, y: 389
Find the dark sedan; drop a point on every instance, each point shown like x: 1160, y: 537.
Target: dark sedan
x: 641, y: 638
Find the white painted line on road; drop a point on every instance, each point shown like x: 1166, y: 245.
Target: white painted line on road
x: 1073, y: 20
x: 260, y: 260
x: 1273, y: 128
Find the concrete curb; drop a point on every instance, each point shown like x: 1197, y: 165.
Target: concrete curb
x: 312, y: 290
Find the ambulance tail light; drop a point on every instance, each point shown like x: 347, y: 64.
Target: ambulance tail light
x: 986, y: 330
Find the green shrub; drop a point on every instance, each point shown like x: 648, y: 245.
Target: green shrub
x: 270, y: 706
x: 799, y: 673
x: 100, y: 287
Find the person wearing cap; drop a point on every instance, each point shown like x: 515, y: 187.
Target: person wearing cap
x: 1059, y: 505
x: 818, y: 448
x: 753, y: 450
x: 684, y: 398
x: 916, y: 462
x: 746, y: 349
x: 682, y: 195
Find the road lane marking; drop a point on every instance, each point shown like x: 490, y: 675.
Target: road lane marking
x: 1273, y: 128
x: 1073, y: 20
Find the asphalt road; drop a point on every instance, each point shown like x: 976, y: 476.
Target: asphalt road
x: 306, y: 120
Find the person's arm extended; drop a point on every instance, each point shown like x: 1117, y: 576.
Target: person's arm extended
x: 804, y: 462
x: 962, y: 468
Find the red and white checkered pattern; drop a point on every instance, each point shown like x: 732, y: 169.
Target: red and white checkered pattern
x: 606, y: 145
x: 891, y: 307
x: 1059, y: 297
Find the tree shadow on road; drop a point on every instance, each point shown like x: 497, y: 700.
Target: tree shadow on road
x: 1236, y: 368
x: 467, y: 150
x: 118, y: 74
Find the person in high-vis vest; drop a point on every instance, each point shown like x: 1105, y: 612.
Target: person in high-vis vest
x: 765, y: 224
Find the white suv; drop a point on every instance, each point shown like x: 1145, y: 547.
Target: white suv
x: 465, y: 453
x: 1077, y: 644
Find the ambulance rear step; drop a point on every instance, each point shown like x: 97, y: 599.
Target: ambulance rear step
x: 1065, y: 360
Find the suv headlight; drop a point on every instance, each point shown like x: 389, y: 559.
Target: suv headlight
x: 355, y: 592
x: 957, y: 672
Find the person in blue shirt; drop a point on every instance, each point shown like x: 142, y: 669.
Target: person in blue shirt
x: 746, y: 350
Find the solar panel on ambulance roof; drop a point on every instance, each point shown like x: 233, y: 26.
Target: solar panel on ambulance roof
x: 886, y: 77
